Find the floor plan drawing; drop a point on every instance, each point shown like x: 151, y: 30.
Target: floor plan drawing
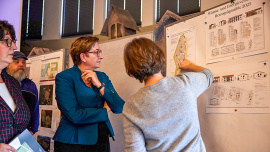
x: 180, y: 52
x: 181, y: 44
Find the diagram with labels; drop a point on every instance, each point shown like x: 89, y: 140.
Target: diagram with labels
x: 233, y: 89
x: 236, y: 31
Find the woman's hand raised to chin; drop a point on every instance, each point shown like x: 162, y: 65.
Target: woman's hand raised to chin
x: 188, y: 65
x: 86, y: 81
x: 89, y: 77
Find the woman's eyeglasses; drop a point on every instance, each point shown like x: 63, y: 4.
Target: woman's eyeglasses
x: 8, y: 42
x: 97, y: 51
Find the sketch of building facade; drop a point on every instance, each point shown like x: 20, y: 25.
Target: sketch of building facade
x: 227, y: 78
x: 221, y: 36
x: 232, y: 33
x: 243, y: 77
x: 259, y: 75
x: 245, y: 29
x: 213, y: 39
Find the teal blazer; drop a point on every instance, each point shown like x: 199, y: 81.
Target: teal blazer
x: 82, y: 107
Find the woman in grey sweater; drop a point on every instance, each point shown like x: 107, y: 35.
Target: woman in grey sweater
x: 162, y: 116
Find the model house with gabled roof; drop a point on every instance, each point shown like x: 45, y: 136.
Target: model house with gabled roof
x: 158, y: 33
x: 119, y: 23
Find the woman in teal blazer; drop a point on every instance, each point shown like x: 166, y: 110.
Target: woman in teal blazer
x: 84, y: 97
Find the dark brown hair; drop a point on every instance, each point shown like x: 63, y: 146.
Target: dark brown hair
x: 6, y: 28
x: 81, y: 45
x: 143, y: 58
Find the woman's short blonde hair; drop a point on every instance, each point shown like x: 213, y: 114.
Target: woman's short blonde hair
x: 81, y: 45
x: 143, y: 58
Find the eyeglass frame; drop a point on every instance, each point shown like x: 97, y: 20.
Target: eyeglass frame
x: 98, y: 52
x: 10, y: 43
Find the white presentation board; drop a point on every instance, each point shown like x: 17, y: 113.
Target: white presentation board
x: 113, y: 66
x: 239, y: 120
x: 42, y: 70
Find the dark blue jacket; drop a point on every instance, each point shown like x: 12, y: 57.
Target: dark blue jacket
x: 30, y: 95
x: 82, y: 107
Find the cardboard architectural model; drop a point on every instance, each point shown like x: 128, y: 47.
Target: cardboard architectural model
x: 119, y: 23
x: 158, y: 33
x: 39, y: 51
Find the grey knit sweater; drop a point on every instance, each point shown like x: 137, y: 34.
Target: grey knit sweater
x: 163, y: 117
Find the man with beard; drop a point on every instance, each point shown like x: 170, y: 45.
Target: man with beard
x: 29, y: 90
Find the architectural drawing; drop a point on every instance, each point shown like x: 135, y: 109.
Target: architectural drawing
x: 243, y: 77
x: 237, y: 34
x: 234, y: 88
x: 232, y: 33
x: 216, y: 79
x: 215, y: 52
x: 240, y: 46
x: 180, y: 44
x: 228, y: 78
x: 227, y: 49
x: 180, y: 52
x: 245, y: 29
x: 259, y: 75
x: 213, y: 39
x: 221, y: 36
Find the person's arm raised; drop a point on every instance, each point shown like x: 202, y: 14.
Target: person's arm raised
x: 188, y: 65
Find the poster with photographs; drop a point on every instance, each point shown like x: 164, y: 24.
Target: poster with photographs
x: 46, y: 94
x: 46, y: 118
x: 48, y: 71
x: 44, y: 142
x: 43, y: 69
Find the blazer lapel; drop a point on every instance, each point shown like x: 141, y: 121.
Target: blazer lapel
x: 2, y: 102
x: 12, y: 89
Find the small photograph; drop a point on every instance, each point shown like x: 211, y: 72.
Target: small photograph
x: 46, y: 95
x: 44, y: 70
x: 49, y: 71
x: 44, y: 142
x: 46, y: 118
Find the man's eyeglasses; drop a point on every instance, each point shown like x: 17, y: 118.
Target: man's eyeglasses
x: 97, y: 51
x: 8, y: 42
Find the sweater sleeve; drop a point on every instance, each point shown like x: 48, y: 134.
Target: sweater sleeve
x: 134, y: 138
x: 198, y: 81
